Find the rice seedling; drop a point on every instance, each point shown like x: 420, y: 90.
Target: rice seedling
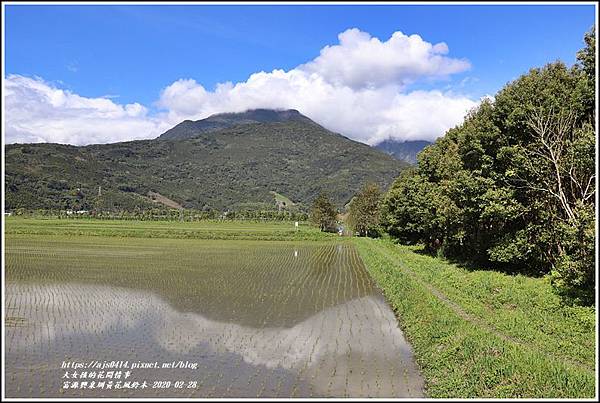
x: 261, y: 318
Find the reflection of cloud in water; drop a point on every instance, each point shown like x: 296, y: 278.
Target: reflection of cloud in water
x: 371, y: 332
x: 71, y: 308
x: 341, y: 348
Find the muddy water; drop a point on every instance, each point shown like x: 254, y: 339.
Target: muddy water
x: 254, y: 319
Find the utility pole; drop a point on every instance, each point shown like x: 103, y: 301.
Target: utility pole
x: 99, y: 191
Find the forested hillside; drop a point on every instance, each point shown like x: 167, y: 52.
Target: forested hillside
x: 513, y: 187
x: 233, y: 168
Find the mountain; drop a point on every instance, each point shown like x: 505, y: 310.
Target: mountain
x: 188, y: 128
x: 247, y: 165
x: 403, y: 150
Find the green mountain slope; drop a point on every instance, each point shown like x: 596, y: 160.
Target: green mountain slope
x: 232, y: 168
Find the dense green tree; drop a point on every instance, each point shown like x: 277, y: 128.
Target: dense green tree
x: 323, y: 213
x: 415, y: 212
x: 513, y: 186
x: 587, y: 55
x: 363, y: 212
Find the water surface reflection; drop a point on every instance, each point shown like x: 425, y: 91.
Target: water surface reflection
x: 310, y: 325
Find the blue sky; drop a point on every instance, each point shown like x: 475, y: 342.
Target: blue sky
x: 132, y: 53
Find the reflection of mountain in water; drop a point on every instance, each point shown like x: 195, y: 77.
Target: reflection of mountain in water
x: 258, y: 284
x: 354, y: 348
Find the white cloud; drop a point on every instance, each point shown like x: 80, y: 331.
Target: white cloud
x: 361, y: 61
x: 37, y: 111
x: 369, y: 115
x: 358, y: 87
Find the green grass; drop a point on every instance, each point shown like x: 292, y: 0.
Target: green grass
x: 483, y: 333
x: 281, y: 198
x: 208, y: 229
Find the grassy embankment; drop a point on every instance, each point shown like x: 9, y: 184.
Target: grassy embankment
x: 208, y: 229
x: 484, y: 333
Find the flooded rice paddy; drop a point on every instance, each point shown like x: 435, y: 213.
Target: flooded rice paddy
x: 238, y: 319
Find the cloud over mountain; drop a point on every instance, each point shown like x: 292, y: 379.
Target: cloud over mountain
x: 359, y: 87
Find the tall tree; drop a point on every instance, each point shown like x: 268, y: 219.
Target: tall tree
x: 513, y: 186
x: 323, y: 213
x: 363, y: 214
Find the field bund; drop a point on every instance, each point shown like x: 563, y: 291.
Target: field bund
x: 231, y: 317
x: 485, y: 334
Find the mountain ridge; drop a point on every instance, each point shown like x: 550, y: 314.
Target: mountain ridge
x: 405, y: 150
x: 219, y: 121
x: 232, y: 168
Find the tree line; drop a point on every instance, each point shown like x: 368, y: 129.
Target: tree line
x: 511, y: 188
x: 166, y: 214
